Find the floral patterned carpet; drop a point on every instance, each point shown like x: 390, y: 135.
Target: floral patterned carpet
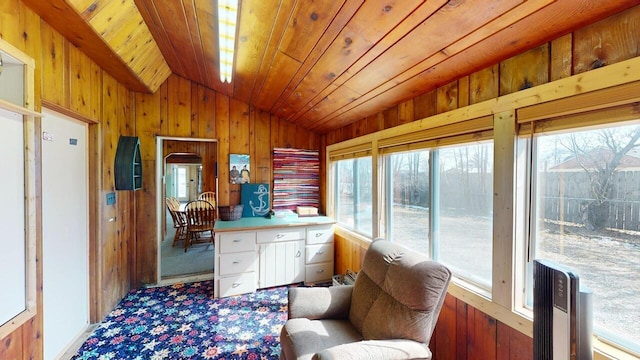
x: 183, y: 321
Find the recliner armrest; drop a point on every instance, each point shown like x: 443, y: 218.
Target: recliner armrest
x: 376, y: 350
x: 320, y: 302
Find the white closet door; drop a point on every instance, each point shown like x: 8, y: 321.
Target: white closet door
x: 65, y: 231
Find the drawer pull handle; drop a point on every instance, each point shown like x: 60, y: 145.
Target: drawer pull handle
x: 318, y: 234
x: 320, y: 252
x: 236, y: 284
x: 236, y: 240
x: 235, y: 262
x: 279, y: 236
x: 320, y: 271
x: 298, y: 254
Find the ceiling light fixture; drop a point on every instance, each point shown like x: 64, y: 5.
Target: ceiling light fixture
x: 227, y: 19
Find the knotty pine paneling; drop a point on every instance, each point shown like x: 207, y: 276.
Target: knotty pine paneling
x: 263, y: 151
x: 147, y: 125
x: 222, y: 133
x: 109, y: 257
x: 525, y: 71
x: 54, y: 50
x: 609, y: 41
x: 406, y: 112
x: 84, y: 85
x: 204, y: 110
x: 179, y: 108
x: 425, y: 105
x: 484, y: 85
x: 238, y: 127
x: 561, y: 57
x: 391, y: 117
x: 447, y: 97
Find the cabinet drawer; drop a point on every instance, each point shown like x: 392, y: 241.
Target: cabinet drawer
x: 319, y: 253
x: 320, y: 234
x: 240, y: 284
x: 236, y: 263
x: 237, y: 242
x: 281, y: 235
x: 319, y: 272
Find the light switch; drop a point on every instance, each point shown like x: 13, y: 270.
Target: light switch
x: 111, y: 198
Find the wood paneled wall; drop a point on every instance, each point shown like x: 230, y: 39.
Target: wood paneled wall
x: 464, y: 332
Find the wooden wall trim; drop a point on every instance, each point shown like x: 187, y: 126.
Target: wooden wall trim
x: 68, y: 112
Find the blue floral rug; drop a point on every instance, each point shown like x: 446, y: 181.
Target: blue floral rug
x: 183, y: 321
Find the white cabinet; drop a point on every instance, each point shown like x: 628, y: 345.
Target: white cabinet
x: 250, y: 256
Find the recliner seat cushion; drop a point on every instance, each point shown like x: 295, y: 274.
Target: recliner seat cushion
x: 301, y: 338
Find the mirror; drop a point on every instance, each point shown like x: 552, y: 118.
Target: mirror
x: 187, y: 170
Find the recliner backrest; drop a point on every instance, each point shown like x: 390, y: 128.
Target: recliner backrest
x: 398, y: 293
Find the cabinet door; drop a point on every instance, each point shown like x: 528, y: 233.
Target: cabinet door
x: 281, y: 263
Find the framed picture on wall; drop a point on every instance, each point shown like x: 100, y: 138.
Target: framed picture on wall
x: 239, y: 169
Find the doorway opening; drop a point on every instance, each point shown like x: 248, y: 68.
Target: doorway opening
x: 185, y: 168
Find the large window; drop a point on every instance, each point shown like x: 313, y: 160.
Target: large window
x: 441, y: 203
x: 354, y: 195
x: 409, y: 199
x: 464, y: 182
x: 587, y: 216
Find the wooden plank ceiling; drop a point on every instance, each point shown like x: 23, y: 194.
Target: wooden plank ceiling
x: 320, y: 64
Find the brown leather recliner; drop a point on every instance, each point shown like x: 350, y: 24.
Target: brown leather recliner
x: 390, y: 311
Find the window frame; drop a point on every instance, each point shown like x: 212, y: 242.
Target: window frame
x: 434, y: 148
x: 31, y: 120
x: 623, y: 115
x: 614, y: 88
x: 336, y: 196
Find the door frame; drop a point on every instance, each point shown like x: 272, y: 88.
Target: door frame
x: 160, y: 209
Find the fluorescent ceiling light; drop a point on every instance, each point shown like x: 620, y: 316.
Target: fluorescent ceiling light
x: 227, y: 18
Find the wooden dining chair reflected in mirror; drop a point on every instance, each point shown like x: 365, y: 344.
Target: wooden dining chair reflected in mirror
x: 179, y: 219
x: 209, y: 196
x: 201, y: 217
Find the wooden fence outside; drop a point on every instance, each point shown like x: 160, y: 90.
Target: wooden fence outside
x: 564, y: 195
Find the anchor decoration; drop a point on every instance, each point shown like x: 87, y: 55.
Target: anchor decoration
x: 262, y: 206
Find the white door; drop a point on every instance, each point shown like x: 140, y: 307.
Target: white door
x: 65, y: 231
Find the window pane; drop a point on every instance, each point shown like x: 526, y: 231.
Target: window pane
x: 587, y: 208
x: 354, y: 194
x: 408, y: 194
x: 463, y: 227
x: 182, y: 182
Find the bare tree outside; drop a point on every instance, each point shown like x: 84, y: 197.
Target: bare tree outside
x: 588, y: 218
x: 600, y: 156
